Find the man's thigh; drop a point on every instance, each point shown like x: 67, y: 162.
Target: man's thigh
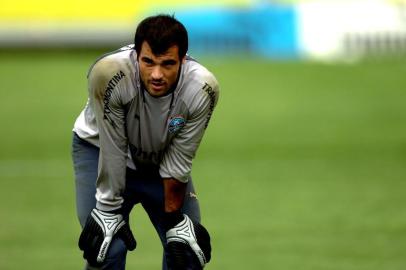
x: 149, y: 191
x: 85, y: 158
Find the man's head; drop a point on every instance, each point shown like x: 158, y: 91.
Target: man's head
x: 161, y: 43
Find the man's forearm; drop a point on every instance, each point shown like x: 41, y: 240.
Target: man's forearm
x: 174, y: 192
x: 182, y: 234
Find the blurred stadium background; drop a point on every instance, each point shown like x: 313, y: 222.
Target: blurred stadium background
x: 303, y: 166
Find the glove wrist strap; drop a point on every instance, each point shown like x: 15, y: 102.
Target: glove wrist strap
x: 172, y: 219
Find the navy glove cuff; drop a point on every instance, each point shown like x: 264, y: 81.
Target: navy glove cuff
x: 172, y: 218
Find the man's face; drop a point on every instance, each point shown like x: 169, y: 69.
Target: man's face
x: 159, y: 72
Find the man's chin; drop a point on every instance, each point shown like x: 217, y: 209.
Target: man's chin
x: 157, y: 92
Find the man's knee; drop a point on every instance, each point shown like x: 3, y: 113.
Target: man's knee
x: 189, y: 259
x: 117, y: 254
x: 115, y: 259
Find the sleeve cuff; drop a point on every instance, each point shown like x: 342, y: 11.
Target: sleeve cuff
x: 179, y: 177
x: 107, y: 207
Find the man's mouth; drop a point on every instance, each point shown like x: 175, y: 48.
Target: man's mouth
x: 158, y: 85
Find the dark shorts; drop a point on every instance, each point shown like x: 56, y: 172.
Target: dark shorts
x: 145, y: 188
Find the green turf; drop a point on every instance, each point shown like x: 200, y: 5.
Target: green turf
x: 303, y: 165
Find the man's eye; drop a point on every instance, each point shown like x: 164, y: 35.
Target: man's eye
x: 147, y: 61
x: 168, y: 63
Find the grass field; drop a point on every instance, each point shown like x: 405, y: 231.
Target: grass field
x: 303, y: 166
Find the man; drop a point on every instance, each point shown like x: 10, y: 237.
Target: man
x: 149, y: 104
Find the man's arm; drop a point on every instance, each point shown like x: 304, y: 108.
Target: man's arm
x: 183, y: 234
x: 177, y: 160
x: 106, y: 82
x: 174, y: 192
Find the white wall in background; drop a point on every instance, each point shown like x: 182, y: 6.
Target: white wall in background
x: 346, y: 30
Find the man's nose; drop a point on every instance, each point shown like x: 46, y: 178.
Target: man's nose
x: 157, y: 73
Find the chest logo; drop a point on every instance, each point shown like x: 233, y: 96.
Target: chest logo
x: 176, y: 123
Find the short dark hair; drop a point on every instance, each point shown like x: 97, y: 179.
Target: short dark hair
x: 161, y: 32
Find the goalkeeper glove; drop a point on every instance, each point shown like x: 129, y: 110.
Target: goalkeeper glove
x: 184, y: 236
x: 100, y: 229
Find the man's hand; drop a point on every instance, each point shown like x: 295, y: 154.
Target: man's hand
x: 187, y: 235
x: 99, y: 230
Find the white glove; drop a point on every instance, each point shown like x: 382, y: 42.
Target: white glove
x: 191, y: 234
x: 98, y: 233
